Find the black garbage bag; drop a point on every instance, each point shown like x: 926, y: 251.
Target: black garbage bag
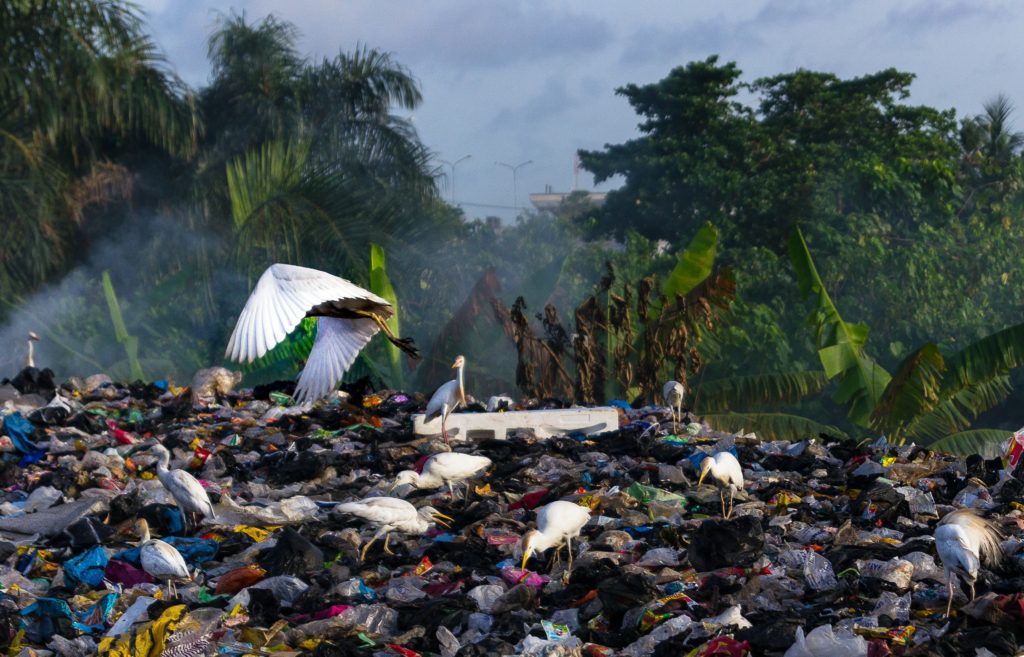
x: 124, y: 507
x: 88, y: 531
x: 302, y: 466
x: 264, y: 607
x: 999, y: 641
x: 723, y: 543
x: 335, y: 648
x: 87, y: 422
x: 49, y: 416
x: 624, y: 591
x: 34, y: 381
x: 293, y: 554
x: 262, y: 392
x: 771, y: 631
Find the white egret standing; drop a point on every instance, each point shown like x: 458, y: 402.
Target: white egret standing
x: 558, y: 522
x: 32, y: 339
x: 159, y: 559
x: 447, y: 398
x: 442, y: 469
x: 348, y: 317
x: 673, y: 392
x: 188, y: 493
x: 963, y: 540
x: 391, y: 514
x: 726, y: 472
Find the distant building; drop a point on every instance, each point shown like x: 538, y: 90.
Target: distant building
x: 550, y: 200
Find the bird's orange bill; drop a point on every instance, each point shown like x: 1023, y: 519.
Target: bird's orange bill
x: 526, y: 557
x: 702, y: 475
x: 442, y: 519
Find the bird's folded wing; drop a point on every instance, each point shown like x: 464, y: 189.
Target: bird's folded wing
x: 281, y: 299
x: 338, y: 342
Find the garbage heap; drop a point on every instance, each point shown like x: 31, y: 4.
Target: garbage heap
x: 829, y: 551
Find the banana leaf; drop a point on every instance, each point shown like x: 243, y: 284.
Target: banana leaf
x: 771, y: 426
x: 380, y: 285
x: 984, y: 442
x: 757, y: 390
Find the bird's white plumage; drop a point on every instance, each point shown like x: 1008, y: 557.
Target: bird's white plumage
x: 445, y: 468
x: 964, y: 540
x: 388, y: 512
x: 188, y: 493
x: 282, y: 298
x: 444, y: 400
x: 162, y: 560
x: 338, y: 342
x: 560, y: 520
x: 673, y: 392
x: 726, y: 470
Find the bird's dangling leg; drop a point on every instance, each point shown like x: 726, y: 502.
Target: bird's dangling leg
x: 949, y: 587
x: 679, y: 412
x: 444, y: 430
x: 386, y: 538
x: 731, y: 493
x: 451, y: 491
x: 721, y: 497
x: 971, y: 585
x: 362, y: 555
x: 405, y: 344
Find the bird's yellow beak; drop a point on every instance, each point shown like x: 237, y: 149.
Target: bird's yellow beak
x: 455, y: 365
x: 442, y: 519
x: 703, y: 473
x: 526, y: 556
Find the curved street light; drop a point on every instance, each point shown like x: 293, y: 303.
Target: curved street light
x: 453, y: 165
x: 515, y: 182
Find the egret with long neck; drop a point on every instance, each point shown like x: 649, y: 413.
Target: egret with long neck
x: 32, y: 339
x: 442, y: 469
x: 188, y: 493
x: 557, y: 523
x: 448, y: 397
x: 159, y: 559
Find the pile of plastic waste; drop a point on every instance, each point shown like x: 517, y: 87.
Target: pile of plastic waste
x: 829, y: 551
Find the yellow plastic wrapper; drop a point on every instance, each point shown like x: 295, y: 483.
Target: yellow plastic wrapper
x: 147, y: 640
x: 372, y: 401
x: 888, y: 460
x: 257, y: 534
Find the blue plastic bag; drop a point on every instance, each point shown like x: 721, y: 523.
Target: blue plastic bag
x: 87, y: 568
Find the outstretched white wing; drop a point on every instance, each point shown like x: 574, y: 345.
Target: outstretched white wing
x: 282, y: 298
x: 338, y: 342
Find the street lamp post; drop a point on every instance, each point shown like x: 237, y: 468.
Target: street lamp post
x: 453, y: 165
x: 515, y: 182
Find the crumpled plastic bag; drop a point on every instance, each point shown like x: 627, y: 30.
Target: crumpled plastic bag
x: 723, y: 543
x: 294, y: 510
x: 646, y: 644
x: 823, y: 642
x: 147, y: 640
x: 285, y: 588
x: 212, y: 382
x: 87, y: 568
x: 292, y: 554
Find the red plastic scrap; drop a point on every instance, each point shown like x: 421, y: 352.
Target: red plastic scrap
x: 878, y: 648
x: 725, y: 645
x: 530, y: 500
x: 402, y: 651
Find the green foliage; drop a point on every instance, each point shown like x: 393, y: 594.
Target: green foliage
x: 840, y: 344
x: 771, y: 426
x: 380, y: 285
x: 693, y: 264
x: 755, y: 391
x: 986, y: 442
x: 130, y: 342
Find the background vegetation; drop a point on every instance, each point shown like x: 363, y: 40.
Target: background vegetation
x: 860, y: 247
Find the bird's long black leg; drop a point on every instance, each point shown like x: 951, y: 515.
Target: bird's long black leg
x: 405, y: 344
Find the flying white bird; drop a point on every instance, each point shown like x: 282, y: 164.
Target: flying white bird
x: 188, y: 493
x: 673, y: 392
x: 444, y: 468
x: 726, y: 472
x: 32, y: 339
x: 391, y: 514
x: 447, y: 398
x: 963, y: 540
x: 159, y: 559
x: 348, y: 317
x: 558, y: 522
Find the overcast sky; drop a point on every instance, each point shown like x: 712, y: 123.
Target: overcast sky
x: 533, y: 80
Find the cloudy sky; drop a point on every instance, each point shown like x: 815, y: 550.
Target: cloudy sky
x: 535, y: 80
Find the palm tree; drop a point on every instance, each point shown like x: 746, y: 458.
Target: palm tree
x: 79, y: 81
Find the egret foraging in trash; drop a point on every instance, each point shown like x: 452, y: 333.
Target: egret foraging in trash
x: 348, y: 317
x: 188, y: 493
x: 391, y: 514
x: 964, y: 540
x: 447, y: 398
x: 160, y: 560
x: 558, y: 522
x: 726, y: 472
x: 444, y: 468
x: 673, y: 392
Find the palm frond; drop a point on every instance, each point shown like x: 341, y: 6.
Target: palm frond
x: 840, y: 344
x: 913, y: 391
x: 984, y: 442
x: 756, y: 390
x: 772, y: 426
